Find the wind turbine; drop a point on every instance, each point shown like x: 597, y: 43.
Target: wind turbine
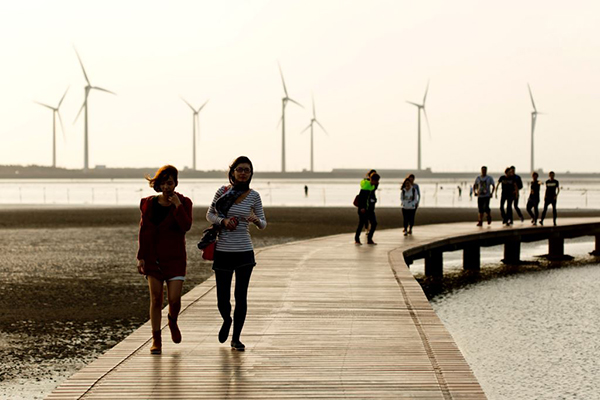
x: 54, y: 113
x: 419, y: 108
x: 534, y: 115
x: 88, y: 88
x: 312, y: 122
x: 195, y: 121
x: 284, y: 101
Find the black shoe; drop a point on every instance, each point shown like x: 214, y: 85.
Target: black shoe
x: 224, y: 332
x: 371, y: 242
x: 358, y: 243
x: 541, y: 222
x: 237, y: 345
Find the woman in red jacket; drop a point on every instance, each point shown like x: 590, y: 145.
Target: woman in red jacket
x: 161, y: 256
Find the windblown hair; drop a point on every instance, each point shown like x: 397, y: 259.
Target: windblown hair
x: 162, y: 175
x: 233, y: 166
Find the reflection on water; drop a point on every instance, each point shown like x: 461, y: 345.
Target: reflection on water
x: 274, y: 192
x: 531, y: 336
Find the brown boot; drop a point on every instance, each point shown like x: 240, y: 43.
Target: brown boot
x: 175, y: 332
x: 156, y: 347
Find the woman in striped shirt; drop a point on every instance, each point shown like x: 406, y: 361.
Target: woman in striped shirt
x: 234, y: 207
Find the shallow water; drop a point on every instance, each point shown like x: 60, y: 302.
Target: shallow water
x: 533, y: 335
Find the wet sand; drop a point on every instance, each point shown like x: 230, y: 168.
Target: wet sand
x: 69, y: 288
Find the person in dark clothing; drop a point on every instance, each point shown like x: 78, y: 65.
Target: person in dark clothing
x: 509, y: 189
x: 366, y: 208
x: 552, y: 191
x: 534, y: 198
x: 519, y: 183
x: 161, y: 256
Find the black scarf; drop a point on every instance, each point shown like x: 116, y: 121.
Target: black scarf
x: 225, y: 202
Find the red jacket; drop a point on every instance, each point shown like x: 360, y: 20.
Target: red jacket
x: 162, y: 246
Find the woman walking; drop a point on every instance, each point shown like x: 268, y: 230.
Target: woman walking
x: 233, y: 208
x: 161, y: 255
x: 409, y: 198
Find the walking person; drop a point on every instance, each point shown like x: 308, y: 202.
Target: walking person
x: 519, y: 183
x: 409, y: 198
x: 234, y: 208
x: 534, y: 198
x: 507, y: 197
x: 366, y: 208
x: 416, y: 186
x: 483, y: 188
x: 366, y: 183
x: 161, y: 256
x: 552, y: 191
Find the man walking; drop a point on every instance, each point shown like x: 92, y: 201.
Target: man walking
x: 519, y: 183
x: 366, y: 208
x: 483, y: 188
x: 509, y: 189
x: 552, y: 191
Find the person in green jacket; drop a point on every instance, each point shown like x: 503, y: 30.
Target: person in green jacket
x: 366, y: 207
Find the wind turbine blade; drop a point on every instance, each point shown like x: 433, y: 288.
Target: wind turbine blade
x: 531, y: 96
x: 62, y: 126
x: 81, y: 63
x: 324, y: 130
x: 425, y: 97
x: 427, y: 121
x: 189, y: 105
x: 314, y: 113
x: 282, y: 80
x: 305, y: 129
x: 62, y: 98
x: 103, y: 90
x: 42, y: 104
x: 414, y: 104
x: 80, y: 110
x: 279, y: 122
x: 294, y: 101
x: 200, y: 109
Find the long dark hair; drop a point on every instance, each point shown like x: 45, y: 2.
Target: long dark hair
x: 407, y: 179
x: 162, y: 175
x: 233, y: 166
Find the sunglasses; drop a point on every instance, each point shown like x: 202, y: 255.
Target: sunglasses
x: 242, y: 170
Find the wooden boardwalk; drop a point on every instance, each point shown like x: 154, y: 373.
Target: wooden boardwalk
x: 326, y: 319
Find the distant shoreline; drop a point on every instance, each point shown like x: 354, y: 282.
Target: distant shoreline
x: 100, y: 172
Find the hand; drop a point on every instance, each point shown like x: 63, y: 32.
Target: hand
x: 253, y: 219
x: 362, y: 210
x: 229, y: 223
x: 174, y: 199
x: 140, y: 266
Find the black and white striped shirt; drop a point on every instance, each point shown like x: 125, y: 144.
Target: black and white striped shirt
x: 239, y: 239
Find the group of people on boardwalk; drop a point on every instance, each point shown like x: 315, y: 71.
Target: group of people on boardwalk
x: 511, y: 185
x: 161, y: 256
x: 410, y: 195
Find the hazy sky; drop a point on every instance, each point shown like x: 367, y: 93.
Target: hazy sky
x: 361, y: 59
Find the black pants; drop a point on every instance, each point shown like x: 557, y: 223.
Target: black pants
x: 408, y: 216
x: 547, y: 202
x: 363, y: 219
x: 242, y: 279
x: 483, y: 205
x: 517, y: 209
x: 507, y: 217
x: 532, y: 208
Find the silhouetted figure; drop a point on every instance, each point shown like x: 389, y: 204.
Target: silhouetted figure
x: 459, y: 191
x: 484, y: 188
x: 366, y: 207
x: 552, y: 191
x: 509, y: 189
x: 519, y: 184
x: 305, y: 191
x: 534, y: 198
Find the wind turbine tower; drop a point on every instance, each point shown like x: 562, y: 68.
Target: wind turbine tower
x: 88, y: 89
x: 284, y: 101
x: 419, y: 108
x: 195, y: 121
x: 534, y: 115
x: 312, y: 122
x: 55, y: 111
